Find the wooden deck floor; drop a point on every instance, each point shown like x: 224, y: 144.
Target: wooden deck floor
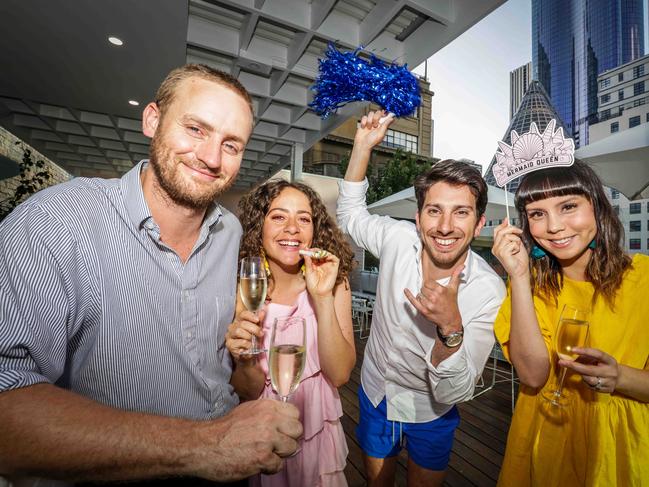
x: 479, y: 440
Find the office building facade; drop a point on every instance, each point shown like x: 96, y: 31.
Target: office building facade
x: 519, y: 80
x: 573, y: 42
x: 623, y: 99
x: 634, y: 216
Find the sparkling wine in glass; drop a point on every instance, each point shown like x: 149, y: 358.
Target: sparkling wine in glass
x: 253, y: 284
x: 572, y: 332
x: 287, y: 354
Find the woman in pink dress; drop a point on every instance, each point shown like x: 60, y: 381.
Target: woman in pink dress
x: 279, y: 219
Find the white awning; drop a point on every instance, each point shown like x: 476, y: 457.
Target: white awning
x: 404, y: 204
x: 621, y: 160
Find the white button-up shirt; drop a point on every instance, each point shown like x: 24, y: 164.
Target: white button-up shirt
x: 397, y: 363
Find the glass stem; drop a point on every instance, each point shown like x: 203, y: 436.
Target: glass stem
x: 560, y: 386
x: 253, y: 341
x: 284, y: 398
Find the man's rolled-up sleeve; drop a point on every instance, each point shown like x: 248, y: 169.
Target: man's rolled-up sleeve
x: 38, y: 278
x: 366, y: 230
x: 453, y: 380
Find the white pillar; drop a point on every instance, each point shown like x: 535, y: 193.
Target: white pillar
x: 296, y: 161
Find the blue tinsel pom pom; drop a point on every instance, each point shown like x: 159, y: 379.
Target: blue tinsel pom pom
x: 345, y: 77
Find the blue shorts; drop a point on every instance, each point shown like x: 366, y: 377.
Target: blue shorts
x: 428, y: 444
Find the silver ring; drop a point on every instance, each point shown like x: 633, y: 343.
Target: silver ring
x: 598, y: 384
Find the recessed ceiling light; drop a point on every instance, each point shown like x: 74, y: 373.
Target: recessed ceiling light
x: 133, y: 102
x: 115, y: 40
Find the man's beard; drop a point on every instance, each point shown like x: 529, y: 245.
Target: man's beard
x: 167, y: 172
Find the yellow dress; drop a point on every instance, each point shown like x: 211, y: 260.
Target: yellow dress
x: 598, y: 439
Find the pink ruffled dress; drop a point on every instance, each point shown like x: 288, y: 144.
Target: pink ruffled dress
x: 322, y: 453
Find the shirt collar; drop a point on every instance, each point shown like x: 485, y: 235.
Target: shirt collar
x: 131, y: 186
x: 136, y: 205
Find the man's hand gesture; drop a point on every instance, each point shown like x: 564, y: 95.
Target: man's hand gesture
x: 439, y: 303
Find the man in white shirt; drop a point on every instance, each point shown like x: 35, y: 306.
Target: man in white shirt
x: 432, y: 325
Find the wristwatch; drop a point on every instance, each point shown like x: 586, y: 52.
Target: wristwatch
x: 451, y: 340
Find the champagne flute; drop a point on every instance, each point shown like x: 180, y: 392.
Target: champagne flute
x: 572, y: 332
x: 287, y: 354
x: 253, y: 284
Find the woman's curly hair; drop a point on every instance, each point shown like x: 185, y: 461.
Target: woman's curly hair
x: 254, y: 207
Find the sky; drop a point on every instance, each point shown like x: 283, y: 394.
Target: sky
x: 470, y: 79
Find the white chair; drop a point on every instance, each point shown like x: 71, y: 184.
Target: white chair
x: 361, y: 312
x: 498, y: 374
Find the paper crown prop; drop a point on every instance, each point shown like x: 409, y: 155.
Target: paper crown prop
x: 345, y: 77
x: 532, y: 151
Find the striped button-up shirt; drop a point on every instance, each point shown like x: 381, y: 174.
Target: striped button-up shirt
x: 93, y: 301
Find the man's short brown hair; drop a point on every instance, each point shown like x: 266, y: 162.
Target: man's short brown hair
x: 455, y: 173
x: 165, y: 94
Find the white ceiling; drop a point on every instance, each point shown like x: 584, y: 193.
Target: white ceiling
x: 65, y: 89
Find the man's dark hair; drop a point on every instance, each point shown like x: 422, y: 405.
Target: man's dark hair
x: 455, y: 173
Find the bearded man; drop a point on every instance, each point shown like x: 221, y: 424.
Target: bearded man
x: 115, y: 297
x: 432, y: 325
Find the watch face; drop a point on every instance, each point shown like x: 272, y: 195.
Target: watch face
x: 454, y: 340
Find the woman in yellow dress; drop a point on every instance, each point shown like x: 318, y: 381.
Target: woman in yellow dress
x: 600, y: 436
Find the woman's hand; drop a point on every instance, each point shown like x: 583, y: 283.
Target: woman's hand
x: 598, y: 369
x: 238, y: 338
x: 510, y: 251
x: 320, y: 274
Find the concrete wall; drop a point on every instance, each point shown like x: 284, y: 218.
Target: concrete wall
x: 12, y: 147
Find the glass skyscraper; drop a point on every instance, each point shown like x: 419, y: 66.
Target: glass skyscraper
x: 574, y: 41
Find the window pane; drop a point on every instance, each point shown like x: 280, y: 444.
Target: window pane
x: 638, y: 88
x: 634, y: 243
x: 634, y: 208
x: 394, y: 138
x: 634, y: 121
x: 634, y: 226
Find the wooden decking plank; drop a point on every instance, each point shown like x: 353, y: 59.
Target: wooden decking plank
x: 467, y: 453
x: 486, y: 451
x: 471, y: 473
